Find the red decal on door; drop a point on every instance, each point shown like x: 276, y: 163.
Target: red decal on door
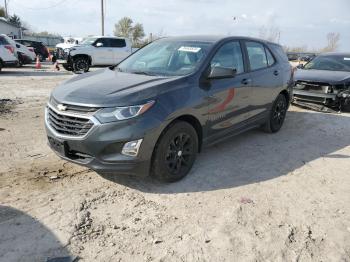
x: 222, y: 106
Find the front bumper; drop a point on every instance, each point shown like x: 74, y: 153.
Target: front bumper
x: 100, y: 149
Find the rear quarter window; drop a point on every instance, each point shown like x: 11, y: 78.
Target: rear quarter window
x: 3, y: 41
x: 278, y: 50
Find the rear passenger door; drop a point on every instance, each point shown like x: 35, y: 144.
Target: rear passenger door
x: 266, y: 76
x: 120, y: 49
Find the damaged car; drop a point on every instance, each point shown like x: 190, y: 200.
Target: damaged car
x: 325, y: 81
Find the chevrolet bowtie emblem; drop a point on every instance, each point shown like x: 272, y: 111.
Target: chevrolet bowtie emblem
x: 61, y: 107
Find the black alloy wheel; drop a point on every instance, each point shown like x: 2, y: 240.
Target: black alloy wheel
x: 175, y: 152
x: 81, y: 64
x: 277, y: 115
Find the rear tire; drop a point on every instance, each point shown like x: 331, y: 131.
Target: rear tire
x: 67, y: 67
x: 277, y: 115
x: 175, y: 152
x: 20, y: 60
x: 81, y: 64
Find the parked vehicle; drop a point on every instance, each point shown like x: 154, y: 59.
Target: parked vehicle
x: 23, y: 53
x: 39, y: 48
x: 7, y: 54
x: 63, y: 48
x: 160, y: 106
x: 96, y: 51
x: 307, y: 57
x: 292, y: 56
x: 325, y: 80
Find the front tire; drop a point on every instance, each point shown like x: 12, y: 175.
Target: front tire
x: 277, y: 115
x: 81, y: 64
x: 175, y: 152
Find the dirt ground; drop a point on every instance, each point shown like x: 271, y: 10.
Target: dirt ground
x: 255, y: 197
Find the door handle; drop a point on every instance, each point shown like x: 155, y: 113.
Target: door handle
x: 276, y: 72
x: 246, y: 81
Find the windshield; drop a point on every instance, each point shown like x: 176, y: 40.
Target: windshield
x: 88, y: 41
x: 166, y: 58
x: 330, y: 62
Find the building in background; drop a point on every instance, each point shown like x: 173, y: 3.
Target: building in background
x: 9, y: 29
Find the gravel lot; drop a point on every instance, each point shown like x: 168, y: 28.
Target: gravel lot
x: 256, y: 197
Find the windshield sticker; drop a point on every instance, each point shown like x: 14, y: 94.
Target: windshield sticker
x: 189, y: 49
x: 347, y: 58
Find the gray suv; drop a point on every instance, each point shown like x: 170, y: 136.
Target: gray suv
x: 153, y: 112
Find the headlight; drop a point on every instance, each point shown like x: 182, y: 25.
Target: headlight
x: 121, y: 113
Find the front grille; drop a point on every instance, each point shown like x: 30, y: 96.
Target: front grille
x: 317, y: 87
x: 68, y: 125
x: 61, y: 54
x: 82, y: 110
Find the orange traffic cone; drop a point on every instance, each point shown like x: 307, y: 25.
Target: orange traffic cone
x: 37, y: 64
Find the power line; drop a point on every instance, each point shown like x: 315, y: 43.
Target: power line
x: 42, y: 8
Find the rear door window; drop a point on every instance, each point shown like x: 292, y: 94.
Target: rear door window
x: 117, y: 42
x: 257, y: 55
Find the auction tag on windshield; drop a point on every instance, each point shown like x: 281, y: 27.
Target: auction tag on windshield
x: 347, y: 58
x: 189, y: 49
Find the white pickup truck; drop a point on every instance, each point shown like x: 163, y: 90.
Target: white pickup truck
x: 96, y: 51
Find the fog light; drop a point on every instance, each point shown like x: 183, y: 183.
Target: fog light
x: 131, y: 148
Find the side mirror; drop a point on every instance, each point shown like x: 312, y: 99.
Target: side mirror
x: 18, y: 46
x: 218, y: 72
x: 300, y: 66
x: 99, y: 44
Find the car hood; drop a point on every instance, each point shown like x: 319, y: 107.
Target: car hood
x: 109, y: 88
x: 324, y: 76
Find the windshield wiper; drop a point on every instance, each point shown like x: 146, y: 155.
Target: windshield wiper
x: 142, y: 73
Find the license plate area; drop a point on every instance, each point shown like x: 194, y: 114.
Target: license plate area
x: 59, y: 146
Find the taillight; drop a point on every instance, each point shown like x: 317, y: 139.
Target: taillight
x: 31, y: 49
x: 10, y: 48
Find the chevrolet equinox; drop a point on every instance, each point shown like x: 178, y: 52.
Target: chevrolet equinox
x: 153, y: 112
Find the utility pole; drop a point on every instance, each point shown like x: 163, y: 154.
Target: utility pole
x: 102, y: 18
x: 6, y: 11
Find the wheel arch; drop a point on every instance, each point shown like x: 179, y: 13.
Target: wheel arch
x: 286, y: 95
x: 190, y: 119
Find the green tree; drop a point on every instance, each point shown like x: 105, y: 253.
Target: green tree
x: 124, y: 27
x: 137, y: 34
x: 2, y: 11
x: 15, y: 20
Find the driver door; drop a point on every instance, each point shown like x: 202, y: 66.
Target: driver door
x: 103, y: 52
x: 228, y: 98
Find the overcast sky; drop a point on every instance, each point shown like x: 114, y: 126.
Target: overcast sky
x: 301, y: 22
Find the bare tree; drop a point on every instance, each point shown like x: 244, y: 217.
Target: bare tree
x: 332, y: 42
x: 296, y: 49
x: 272, y: 33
